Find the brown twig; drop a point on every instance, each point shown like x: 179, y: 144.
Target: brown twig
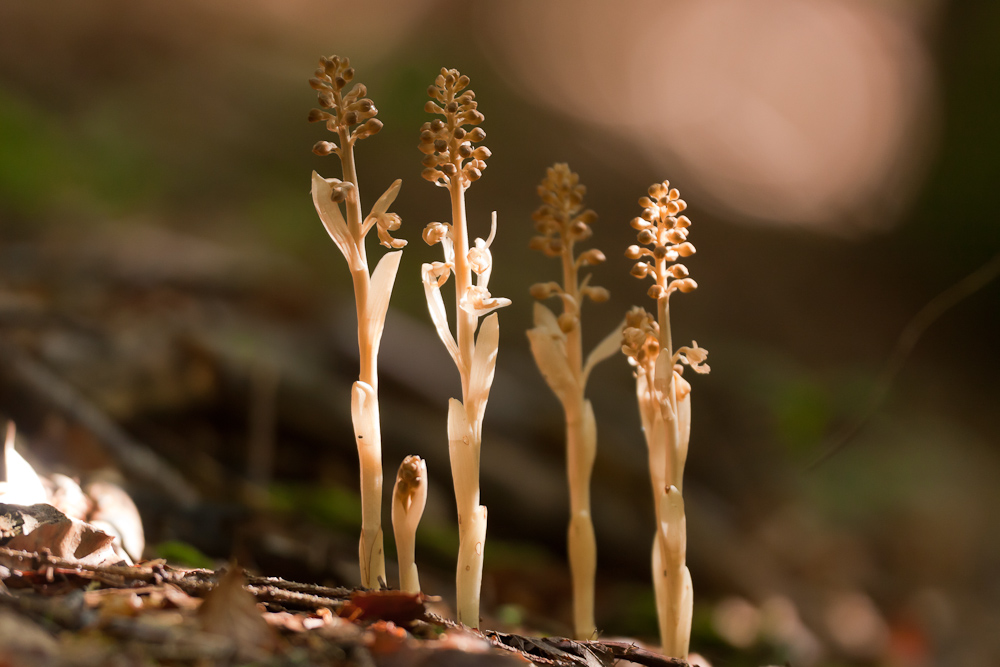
x: 192, y: 582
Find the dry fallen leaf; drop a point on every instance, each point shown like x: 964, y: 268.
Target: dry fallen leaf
x: 396, y: 606
x: 38, y: 527
x: 230, y: 611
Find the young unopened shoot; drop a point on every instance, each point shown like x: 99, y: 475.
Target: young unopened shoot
x: 453, y: 161
x: 409, y: 496
x: 664, y: 398
x: 351, y: 116
x: 556, y: 345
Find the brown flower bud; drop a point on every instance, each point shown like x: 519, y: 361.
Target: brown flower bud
x: 633, y: 252
x: 678, y: 271
x: 640, y: 224
x: 597, y: 294
x: 640, y: 270
x: 591, y: 257
x: 477, y: 135
x: 677, y: 235
x: 579, y: 231
x: 324, y: 147
x: 372, y: 126
x: 541, y: 291
x: 685, y: 249
x: 646, y: 237
x: 655, y: 291
x: 685, y: 285
x: 567, y: 322
x: 538, y: 242
x: 431, y: 174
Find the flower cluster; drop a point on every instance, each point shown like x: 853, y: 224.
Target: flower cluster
x: 447, y: 144
x: 560, y: 222
x: 641, y: 339
x: 559, y: 219
x: 661, y: 227
x: 641, y: 344
x: 345, y: 111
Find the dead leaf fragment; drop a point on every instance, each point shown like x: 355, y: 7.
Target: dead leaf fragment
x: 230, y: 611
x: 38, y: 527
x: 396, y: 606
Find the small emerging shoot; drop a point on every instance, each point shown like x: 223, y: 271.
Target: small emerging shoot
x: 557, y: 348
x: 409, y: 496
x: 351, y: 116
x: 664, y: 398
x: 453, y: 161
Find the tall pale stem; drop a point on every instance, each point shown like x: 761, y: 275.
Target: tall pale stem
x: 672, y: 581
x: 465, y: 437
x: 365, y: 410
x: 581, y: 449
x: 465, y: 321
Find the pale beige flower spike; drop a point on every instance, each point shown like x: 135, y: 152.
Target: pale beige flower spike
x: 352, y: 117
x: 453, y: 161
x: 664, y: 398
x: 409, y: 497
x: 557, y: 348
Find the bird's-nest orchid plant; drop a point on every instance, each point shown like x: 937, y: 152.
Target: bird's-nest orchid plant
x: 453, y: 161
x: 664, y: 398
x: 556, y: 343
x: 351, y: 116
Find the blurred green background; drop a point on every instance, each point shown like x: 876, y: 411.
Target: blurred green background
x: 839, y: 163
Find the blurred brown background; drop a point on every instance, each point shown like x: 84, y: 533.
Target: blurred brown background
x: 159, y: 252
